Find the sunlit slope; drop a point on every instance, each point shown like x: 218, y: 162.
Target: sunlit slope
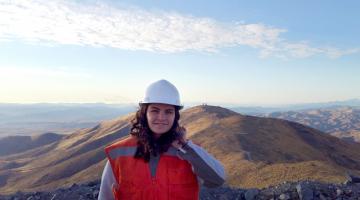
x: 255, y: 151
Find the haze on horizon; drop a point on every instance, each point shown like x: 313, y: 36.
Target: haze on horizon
x: 234, y: 52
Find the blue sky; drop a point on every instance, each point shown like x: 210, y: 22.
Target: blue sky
x: 238, y: 52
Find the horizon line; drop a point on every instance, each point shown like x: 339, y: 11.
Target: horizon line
x: 192, y: 103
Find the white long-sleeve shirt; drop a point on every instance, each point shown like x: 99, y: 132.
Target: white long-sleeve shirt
x: 209, y: 171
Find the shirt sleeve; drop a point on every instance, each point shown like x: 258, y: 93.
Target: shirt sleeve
x: 107, y: 181
x: 205, y: 166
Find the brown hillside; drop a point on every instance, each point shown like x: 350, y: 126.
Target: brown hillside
x: 255, y: 151
x: 78, y: 157
x: 261, y: 151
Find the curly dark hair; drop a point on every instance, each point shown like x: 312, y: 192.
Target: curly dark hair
x: 147, y: 145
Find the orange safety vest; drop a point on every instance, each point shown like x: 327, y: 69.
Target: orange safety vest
x: 174, y: 179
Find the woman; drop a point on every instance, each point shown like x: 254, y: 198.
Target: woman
x: 156, y: 161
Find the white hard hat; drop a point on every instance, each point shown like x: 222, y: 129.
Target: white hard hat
x: 162, y: 91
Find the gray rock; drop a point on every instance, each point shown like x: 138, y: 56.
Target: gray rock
x: 348, y: 192
x: 353, y: 178
x: 96, y: 193
x: 285, y: 191
x: 338, y: 192
x: 322, y: 197
x: 251, y: 194
x: 74, y: 186
x: 284, y: 197
x: 304, y: 191
x: 53, y: 197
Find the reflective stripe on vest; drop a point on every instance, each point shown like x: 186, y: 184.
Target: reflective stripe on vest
x: 130, y: 151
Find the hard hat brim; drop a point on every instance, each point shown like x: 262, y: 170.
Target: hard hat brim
x: 179, y: 106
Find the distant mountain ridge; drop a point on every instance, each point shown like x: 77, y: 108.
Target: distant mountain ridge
x: 258, y: 110
x: 343, y: 122
x: 15, y: 144
x: 255, y: 151
x: 30, y: 119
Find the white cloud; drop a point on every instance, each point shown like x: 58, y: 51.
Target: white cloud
x: 17, y: 74
x: 65, y: 22
x: 335, y: 53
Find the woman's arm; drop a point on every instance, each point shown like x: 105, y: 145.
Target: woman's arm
x: 107, y: 181
x: 205, y: 166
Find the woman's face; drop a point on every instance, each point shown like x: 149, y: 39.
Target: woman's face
x: 160, y: 118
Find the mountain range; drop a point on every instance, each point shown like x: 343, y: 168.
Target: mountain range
x: 19, y: 143
x: 65, y: 118
x: 62, y: 118
x: 343, y: 122
x: 258, y: 110
x: 255, y: 151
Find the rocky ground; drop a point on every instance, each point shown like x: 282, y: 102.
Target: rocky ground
x: 300, y: 190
